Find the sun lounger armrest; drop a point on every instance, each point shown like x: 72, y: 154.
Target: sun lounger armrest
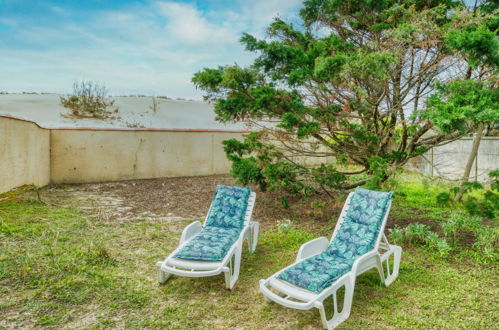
x: 361, y: 259
x: 190, y: 231
x: 312, y: 247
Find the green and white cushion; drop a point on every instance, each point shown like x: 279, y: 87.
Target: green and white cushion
x: 223, y: 226
x: 229, y: 207
x: 356, y: 236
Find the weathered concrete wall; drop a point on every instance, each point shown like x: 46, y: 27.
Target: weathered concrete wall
x: 103, y: 155
x: 24, y: 154
x: 448, y: 161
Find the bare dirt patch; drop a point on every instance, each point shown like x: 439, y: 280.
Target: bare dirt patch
x: 182, y: 198
x: 172, y: 199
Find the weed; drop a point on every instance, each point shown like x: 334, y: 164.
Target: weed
x: 458, y: 224
x: 417, y: 233
x: 487, y: 242
x: 284, y: 226
x: 397, y: 235
x: 457, y: 229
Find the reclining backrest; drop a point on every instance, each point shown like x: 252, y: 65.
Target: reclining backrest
x: 229, y: 207
x: 362, y: 224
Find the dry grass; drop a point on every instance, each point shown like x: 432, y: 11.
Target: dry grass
x: 94, y: 267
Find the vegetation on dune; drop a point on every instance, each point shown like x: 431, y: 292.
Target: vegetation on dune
x: 90, y: 100
x: 351, y: 82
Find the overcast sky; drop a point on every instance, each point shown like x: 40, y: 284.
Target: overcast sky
x: 133, y: 47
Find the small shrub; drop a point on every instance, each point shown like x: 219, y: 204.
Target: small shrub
x: 458, y: 224
x: 416, y: 233
x: 89, y: 100
x: 487, y: 242
x: 396, y: 235
x: 420, y: 234
x: 494, y: 175
x: 461, y: 234
x: 443, y: 199
x: 486, y: 206
x: 134, y: 125
x: 437, y: 244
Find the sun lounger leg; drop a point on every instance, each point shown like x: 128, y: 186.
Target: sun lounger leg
x: 255, y: 228
x: 338, y: 316
x: 251, y: 236
x: 390, y: 272
x: 163, y: 276
x: 379, y: 266
x: 234, y: 265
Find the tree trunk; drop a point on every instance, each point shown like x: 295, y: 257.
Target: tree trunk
x: 471, y: 159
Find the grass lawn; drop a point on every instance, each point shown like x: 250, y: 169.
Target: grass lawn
x: 60, y: 267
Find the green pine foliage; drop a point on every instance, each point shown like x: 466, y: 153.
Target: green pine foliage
x: 346, y: 88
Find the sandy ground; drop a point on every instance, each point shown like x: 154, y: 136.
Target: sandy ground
x: 170, y: 199
x: 47, y: 111
x: 180, y: 198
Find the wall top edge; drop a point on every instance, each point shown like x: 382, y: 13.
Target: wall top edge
x: 483, y: 138
x: 124, y: 129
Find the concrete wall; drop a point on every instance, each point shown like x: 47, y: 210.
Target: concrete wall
x: 101, y: 155
x: 30, y: 154
x: 24, y: 154
x: 448, y: 161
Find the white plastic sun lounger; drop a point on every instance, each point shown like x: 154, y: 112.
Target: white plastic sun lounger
x: 230, y: 264
x: 293, y: 296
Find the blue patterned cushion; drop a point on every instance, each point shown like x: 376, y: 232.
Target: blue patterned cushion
x: 356, y: 236
x: 223, y: 226
x: 211, y: 244
x: 229, y: 207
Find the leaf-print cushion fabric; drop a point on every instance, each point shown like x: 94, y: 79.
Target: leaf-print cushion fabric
x: 356, y: 236
x: 211, y: 244
x: 229, y: 207
x: 223, y: 226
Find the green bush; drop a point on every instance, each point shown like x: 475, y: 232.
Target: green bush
x: 486, y: 205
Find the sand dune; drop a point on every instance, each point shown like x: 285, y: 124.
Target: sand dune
x: 47, y: 111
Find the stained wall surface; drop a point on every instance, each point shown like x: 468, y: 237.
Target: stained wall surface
x: 103, y: 155
x: 24, y: 154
